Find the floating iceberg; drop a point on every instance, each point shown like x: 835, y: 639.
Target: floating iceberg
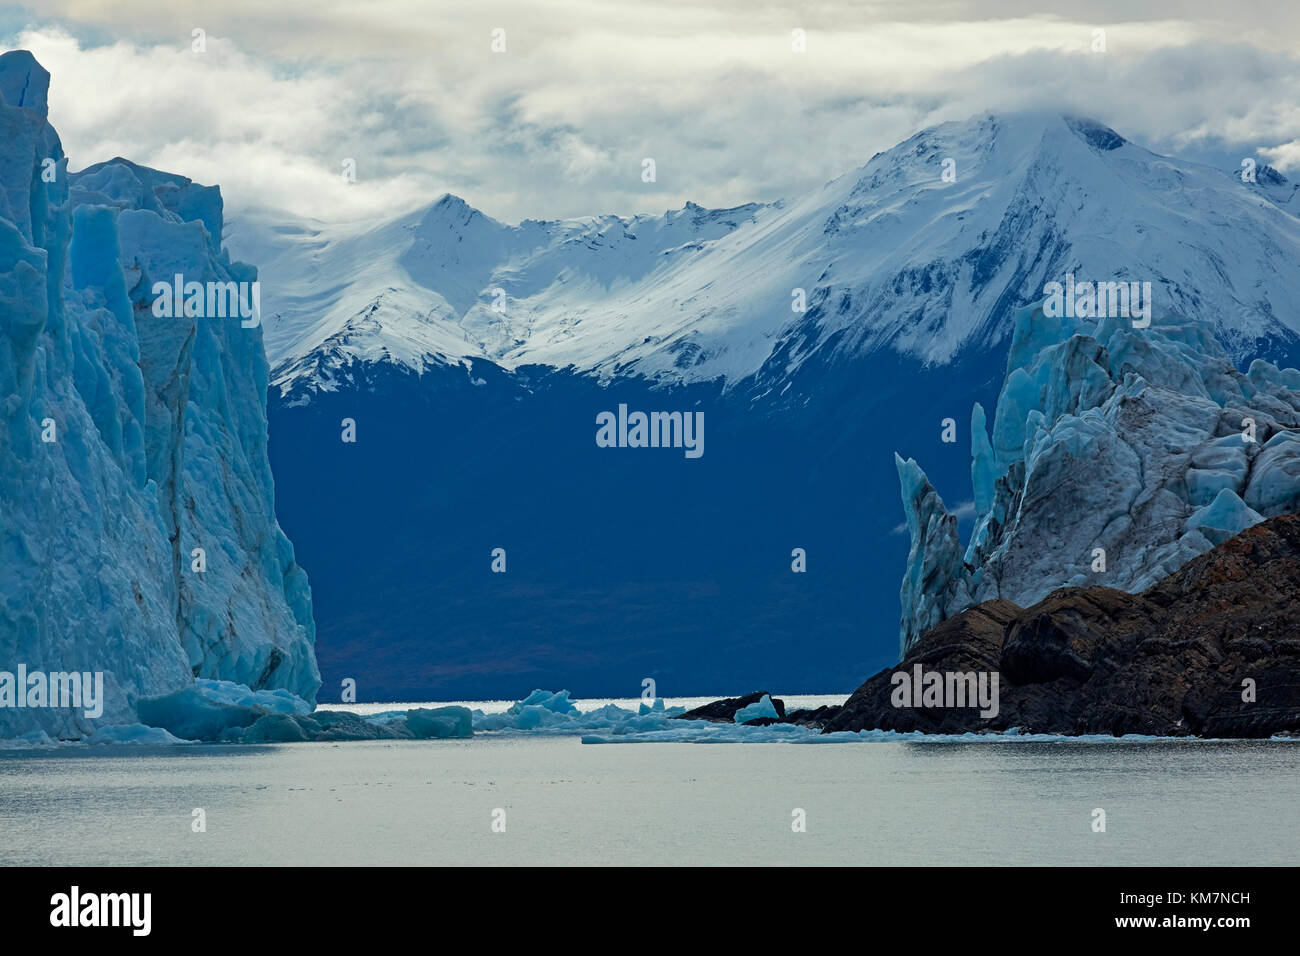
x: 224, y: 712
x: 138, y: 734
x: 762, y: 709
x: 545, y: 712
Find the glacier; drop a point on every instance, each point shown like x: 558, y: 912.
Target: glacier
x: 1117, y: 455
x: 129, y: 442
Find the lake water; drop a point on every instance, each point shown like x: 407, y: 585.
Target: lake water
x: 432, y: 802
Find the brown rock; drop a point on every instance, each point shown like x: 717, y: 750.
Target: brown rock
x: 1170, y: 661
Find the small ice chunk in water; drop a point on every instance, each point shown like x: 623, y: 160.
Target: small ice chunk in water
x: 757, y: 711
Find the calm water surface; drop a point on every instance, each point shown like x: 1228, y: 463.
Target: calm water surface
x: 431, y: 802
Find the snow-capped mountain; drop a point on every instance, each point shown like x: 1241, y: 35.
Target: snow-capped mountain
x: 926, y: 250
x: 137, y: 522
x: 474, y: 356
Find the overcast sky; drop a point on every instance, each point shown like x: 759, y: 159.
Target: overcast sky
x: 558, y: 124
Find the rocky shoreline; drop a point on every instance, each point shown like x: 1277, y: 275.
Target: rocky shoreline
x: 1211, y: 650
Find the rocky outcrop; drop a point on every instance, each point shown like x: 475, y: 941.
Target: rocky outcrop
x: 724, y: 711
x: 815, y: 718
x: 1212, y: 649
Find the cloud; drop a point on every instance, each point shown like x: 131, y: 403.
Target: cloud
x: 558, y: 125
x: 1285, y: 156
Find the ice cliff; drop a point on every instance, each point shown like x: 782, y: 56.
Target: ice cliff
x: 1117, y: 455
x: 128, y: 441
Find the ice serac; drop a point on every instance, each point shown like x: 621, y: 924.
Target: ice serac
x: 1121, y: 454
x: 128, y: 441
x: 24, y: 82
x: 933, y: 588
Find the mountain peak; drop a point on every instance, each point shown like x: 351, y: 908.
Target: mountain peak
x: 1030, y: 123
x: 450, y: 201
x: 1097, y: 135
x: 997, y: 142
x: 926, y: 250
x: 450, y: 211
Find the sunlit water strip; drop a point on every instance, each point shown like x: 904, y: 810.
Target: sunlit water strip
x: 584, y: 705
